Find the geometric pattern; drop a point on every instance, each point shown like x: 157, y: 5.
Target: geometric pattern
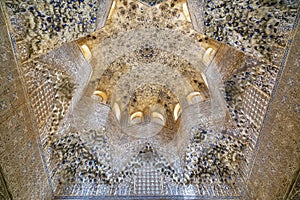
x: 255, y: 105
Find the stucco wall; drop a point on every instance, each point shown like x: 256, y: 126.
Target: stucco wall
x: 20, y: 156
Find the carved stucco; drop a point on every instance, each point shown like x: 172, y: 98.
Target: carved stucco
x: 20, y: 159
x: 227, y: 124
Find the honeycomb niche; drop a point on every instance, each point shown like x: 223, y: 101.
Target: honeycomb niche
x: 144, y: 99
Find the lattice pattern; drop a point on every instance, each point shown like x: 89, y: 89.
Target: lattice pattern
x: 42, y: 100
x: 148, y: 182
x: 255, y: 105
x: 40, y: 85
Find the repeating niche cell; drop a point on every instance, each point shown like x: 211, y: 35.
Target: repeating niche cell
x: 48, y: 24
x: 255, y: 27
x: 210, y: 161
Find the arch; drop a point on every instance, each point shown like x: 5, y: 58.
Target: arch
x: 177, y: 111
x: 136, y: 117
x: 207, y: 57
x: 117, y: 111
x: 204, y: 79
x: 194, y: 97
x: 186, y: 12
x: 86, y: 52
x: 111, y: 10
x: 99, y: 95
x: 158, y: 118
x: 159, y: 108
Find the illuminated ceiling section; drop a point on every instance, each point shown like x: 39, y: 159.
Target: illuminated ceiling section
x: 155, y: 71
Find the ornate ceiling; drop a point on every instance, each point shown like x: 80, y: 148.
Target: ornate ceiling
x: 147, y: 105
